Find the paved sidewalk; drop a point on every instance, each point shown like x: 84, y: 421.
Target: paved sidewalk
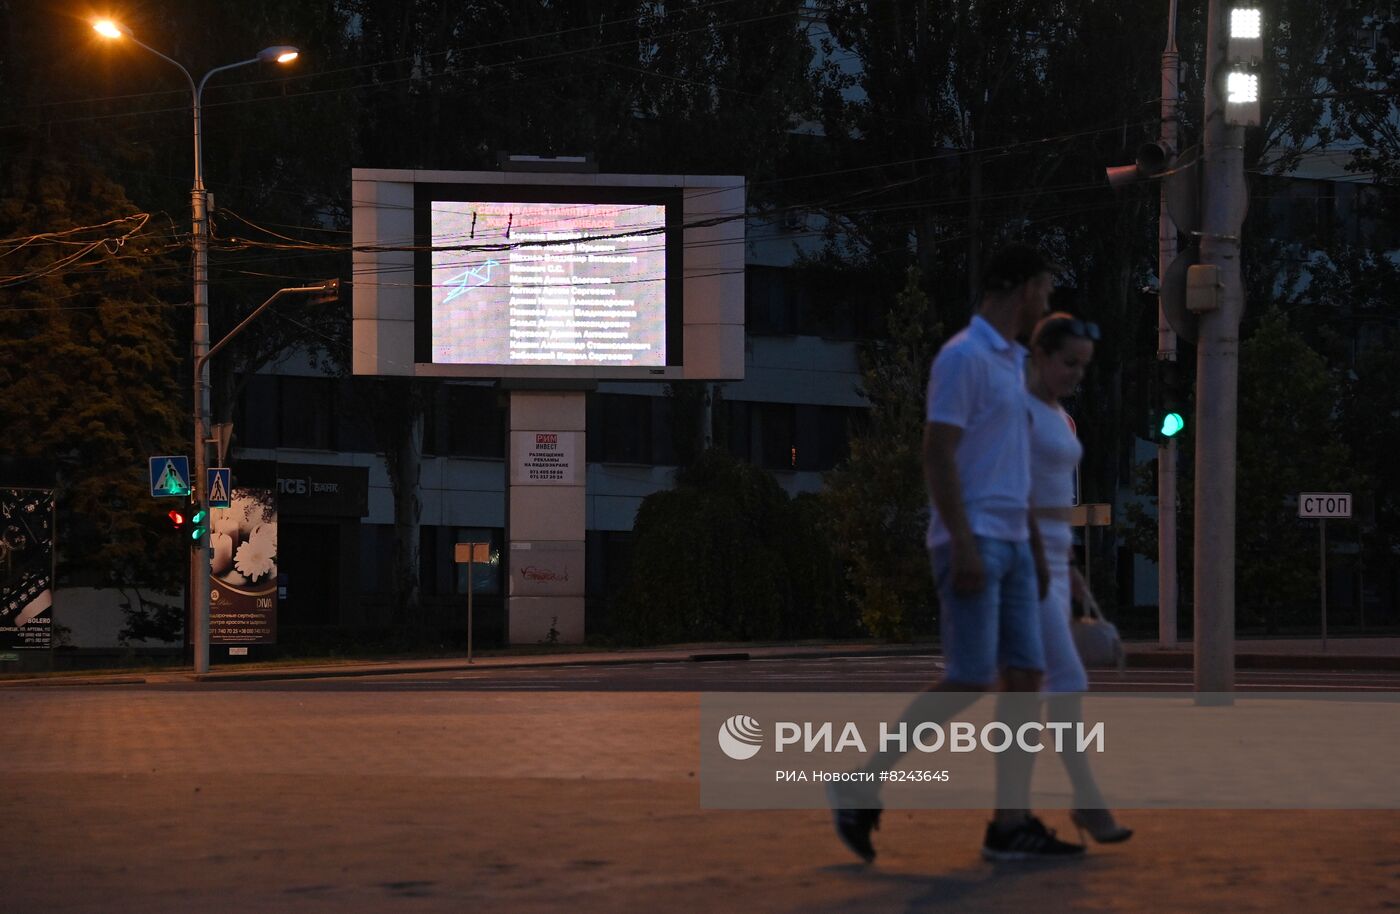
x: 1340, y: 654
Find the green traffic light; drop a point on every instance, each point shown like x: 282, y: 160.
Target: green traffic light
x: 198, y: 517
x: 1172, y: 424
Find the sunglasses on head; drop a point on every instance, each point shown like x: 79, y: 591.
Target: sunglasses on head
x: 1084, y: 329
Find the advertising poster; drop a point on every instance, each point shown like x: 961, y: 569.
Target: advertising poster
x: 26, y: 569
x: 243, y: 569
x: 545, y: 458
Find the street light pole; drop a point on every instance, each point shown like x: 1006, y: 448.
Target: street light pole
x: 1223, y: 204
x: 1166, y: 351
x: 198, y: 583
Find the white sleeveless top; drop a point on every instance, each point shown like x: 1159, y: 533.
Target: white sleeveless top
x: 1055, y: 452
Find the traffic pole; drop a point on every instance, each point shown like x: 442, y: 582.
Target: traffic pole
x: 1167, y: 597
x: 1322, y: 574
x: 1220, y: 308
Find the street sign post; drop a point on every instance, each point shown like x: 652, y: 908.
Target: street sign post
x: 1086, y: 516
x: 468, y: 554
x: 1322, y: 505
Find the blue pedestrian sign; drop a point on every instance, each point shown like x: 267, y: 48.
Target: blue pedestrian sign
x: 170, y: 476
x: 220, y: 479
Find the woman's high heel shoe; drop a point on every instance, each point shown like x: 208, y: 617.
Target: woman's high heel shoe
x: 1099, y: 825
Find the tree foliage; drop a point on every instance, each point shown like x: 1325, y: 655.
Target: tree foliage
x: 88, y: 375
x: 928, y: 133
x: 1289, y: 442
x: 877, y: 501
x: 727, y: 555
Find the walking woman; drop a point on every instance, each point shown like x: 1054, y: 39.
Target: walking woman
x: 1061, y: 348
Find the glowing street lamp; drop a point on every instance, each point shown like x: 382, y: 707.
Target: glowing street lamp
x: 1246, y: 36
x: 199, y: 205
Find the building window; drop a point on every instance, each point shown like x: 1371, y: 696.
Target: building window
x: 620, y: 429
x: 822, y: 436
x: 465, y: 421
x: 769, y: 303
x: 776, y: 436
x: 376, y: 557
x: 353, y: 429
x: 306, y: 408
x: 809, y: 301
x: 257, y: 426
x: 764, y: 434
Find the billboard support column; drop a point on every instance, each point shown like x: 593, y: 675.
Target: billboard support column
x: 546, y: 517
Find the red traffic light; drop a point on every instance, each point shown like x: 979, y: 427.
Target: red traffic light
x: 177, y: 520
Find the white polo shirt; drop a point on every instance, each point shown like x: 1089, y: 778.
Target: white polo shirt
x: 977, y: 383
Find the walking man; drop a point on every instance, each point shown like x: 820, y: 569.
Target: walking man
x: 987, y: 564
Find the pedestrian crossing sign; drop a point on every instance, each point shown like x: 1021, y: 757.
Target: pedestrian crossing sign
x: 219, y: 481
x: 170, y: 476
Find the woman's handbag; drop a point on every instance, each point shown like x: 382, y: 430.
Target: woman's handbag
x: 1096, y: 638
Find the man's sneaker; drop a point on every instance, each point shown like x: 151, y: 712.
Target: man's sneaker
x: 855, y: 814
x: 1030, y: 840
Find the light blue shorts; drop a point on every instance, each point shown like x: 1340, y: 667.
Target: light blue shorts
x: 997, y: 627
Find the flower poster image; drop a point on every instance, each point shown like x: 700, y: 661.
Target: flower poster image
x: 243, y: 569
x: 26, y: 569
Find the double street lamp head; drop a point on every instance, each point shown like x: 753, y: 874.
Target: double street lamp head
x: 278, y: 53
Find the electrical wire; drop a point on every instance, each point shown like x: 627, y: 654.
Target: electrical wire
x: 112, y: 245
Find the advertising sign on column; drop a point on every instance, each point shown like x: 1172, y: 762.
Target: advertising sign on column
x: 26, y: 569
x: 243, y: 569
x: 545, y: 458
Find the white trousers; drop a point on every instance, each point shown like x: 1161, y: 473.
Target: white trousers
x: 1064, y: 671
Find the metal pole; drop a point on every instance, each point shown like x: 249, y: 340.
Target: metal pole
x: 1217, y: 380
x: 1167, y: 597
x: 1322, y: 577
x: 197, y: 588
x: 199, y: 555
x: 471, y: 560
x: 1088, y: 580
x: 199, y: 203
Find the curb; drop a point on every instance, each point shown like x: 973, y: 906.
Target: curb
x: 358, y: 670
x: 1142, y: 659
x: 595, y: 660
x: 1171, y: 660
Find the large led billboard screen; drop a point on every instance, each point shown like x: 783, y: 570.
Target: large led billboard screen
x: 524, y: 276
x: 538, y: 277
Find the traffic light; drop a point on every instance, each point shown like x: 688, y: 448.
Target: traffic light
x: 1153, y: 160
x: 191, y: 520
x: 199, y: 525
x: 1169, y: 416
